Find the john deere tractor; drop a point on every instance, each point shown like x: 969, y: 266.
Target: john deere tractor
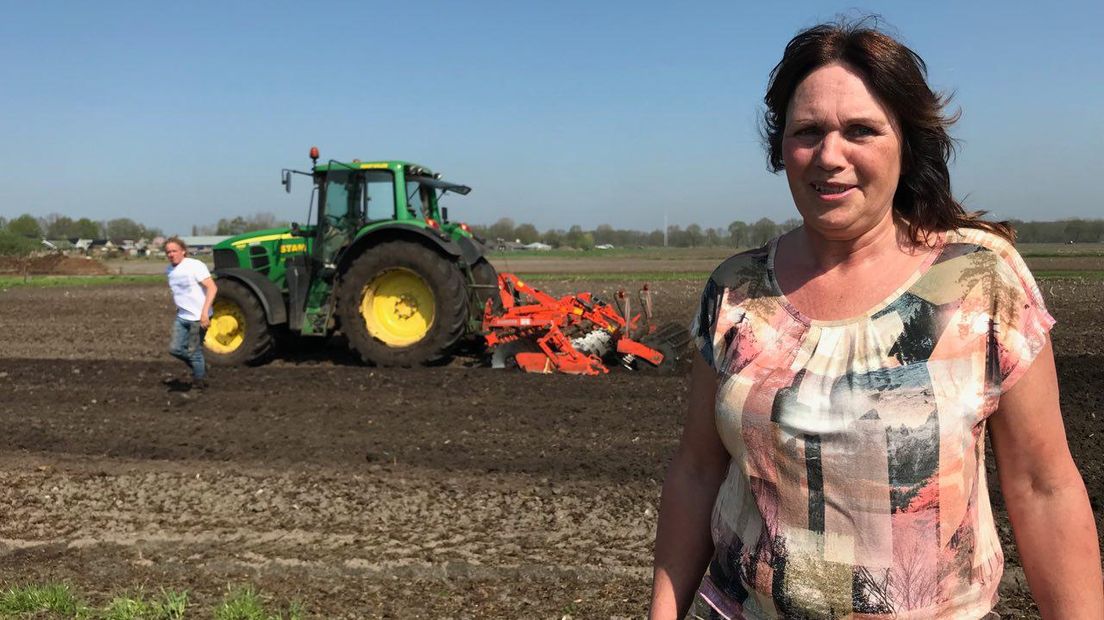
x: 381, y: 262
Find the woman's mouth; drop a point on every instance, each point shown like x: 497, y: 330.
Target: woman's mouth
x: 832, y: 190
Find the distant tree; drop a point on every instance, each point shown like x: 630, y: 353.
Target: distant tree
x: 527, y: 233
x: 502, y: 229
x: 85, y: 228
x: 578, y: 238
x: 59, y: 226
x: 1094, y: 231
x: 12, y: 244
x: 605, y: 234
x: 235, y: 226
x: 25, y: 226
x: 738, y: 234
x: 789, y: 225
x: 553, y: 237
x: 694, y: 236
x: 762, y: 231
x: 124, y: 228
x: 1075, y: 230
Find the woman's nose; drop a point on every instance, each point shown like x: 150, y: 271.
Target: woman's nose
x: 830, y: 153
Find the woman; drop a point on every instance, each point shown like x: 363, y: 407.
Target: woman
x: 832, y: 461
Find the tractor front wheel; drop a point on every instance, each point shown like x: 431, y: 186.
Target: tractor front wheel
x: 239, y: 333
x: 402, y: 304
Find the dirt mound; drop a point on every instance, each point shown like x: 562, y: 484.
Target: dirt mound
x: 53, y: 265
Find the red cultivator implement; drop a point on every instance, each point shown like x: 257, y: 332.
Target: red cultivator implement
x: 575, y: 334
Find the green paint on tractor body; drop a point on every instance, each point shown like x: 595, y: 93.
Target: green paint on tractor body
x: 355, y: 207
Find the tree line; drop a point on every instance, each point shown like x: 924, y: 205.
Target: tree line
x: 738, y: 234
x: 57, y: 226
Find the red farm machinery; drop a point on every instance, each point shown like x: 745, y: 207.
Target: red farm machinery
x: 576, y: 334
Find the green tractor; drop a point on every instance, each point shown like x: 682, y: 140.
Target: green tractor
x: 381, y: 262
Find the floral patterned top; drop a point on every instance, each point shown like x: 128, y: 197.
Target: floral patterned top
x: 857, y: 483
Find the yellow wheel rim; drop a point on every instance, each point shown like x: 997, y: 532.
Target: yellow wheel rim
x: 398, y: 307
x: 227, y: 329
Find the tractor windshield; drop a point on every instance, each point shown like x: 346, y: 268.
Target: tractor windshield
x: 357, y: 196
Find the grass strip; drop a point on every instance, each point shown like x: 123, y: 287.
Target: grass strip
x: 60, y: 601
x: 1068, y: 274
x: 7, y: 282
x: 651, y: 276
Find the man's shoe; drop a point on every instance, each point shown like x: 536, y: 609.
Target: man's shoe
x: 200, y: 384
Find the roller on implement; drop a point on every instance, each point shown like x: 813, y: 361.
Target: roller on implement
x: 575, y: 334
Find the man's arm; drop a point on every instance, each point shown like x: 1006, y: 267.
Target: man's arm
x: 1047, y: 503
x: 210, y: 289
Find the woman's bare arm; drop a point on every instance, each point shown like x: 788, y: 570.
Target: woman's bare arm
x: 1045, y: 495
x: 683, y: 540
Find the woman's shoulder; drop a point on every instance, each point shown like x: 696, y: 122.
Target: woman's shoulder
x: 742, y: 269
x: 979, y: 239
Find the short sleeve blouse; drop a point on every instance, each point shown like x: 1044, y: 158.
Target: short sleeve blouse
x: 857, y: 481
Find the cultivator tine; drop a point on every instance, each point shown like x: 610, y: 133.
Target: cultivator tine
x: 646, y: 302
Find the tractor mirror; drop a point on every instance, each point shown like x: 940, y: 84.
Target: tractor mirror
x: 295, y: 232
x: 444, y: 214
x: 286, y: 180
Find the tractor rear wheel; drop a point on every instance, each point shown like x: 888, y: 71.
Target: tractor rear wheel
x: 486, y: 277
x: 402, y: 304
x: 239, y: 333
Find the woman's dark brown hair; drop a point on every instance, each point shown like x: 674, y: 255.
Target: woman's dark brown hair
x: 898, y: 78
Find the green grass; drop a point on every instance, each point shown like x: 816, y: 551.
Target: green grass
x: 1060, y: 250
x: 1068, y: 275
x: 246, y: 604
x: 645, y: 253
x: 633, y: 276
x: 54, y: 599
x: 61, y: 281
x: 59, y: 601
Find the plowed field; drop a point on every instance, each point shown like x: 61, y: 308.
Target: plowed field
x: 457, y: 491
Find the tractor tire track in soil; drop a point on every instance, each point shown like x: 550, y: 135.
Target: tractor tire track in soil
x: 457, y: 491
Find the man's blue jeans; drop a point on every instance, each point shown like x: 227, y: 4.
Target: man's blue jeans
x: 187, y: 345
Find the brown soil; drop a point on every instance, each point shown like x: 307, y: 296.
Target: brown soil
x: 52, y: 265
x: 459, y: 491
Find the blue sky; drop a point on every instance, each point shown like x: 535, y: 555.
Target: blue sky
x: 555, y: 113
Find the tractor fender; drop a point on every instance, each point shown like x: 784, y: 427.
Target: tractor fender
x: 272, y: 300
x: 466, y: 250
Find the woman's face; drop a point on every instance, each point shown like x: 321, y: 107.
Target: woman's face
x: 842, y: 151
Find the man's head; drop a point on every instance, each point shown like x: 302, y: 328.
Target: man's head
x: 175, y: 250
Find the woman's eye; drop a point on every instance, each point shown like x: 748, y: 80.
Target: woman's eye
x: 862, y: 131
x: 806, y: 132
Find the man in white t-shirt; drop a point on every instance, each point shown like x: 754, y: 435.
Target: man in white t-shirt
x: 193, y: 292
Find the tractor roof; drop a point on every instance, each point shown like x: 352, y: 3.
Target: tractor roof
x: 356, y: 164
x: 425, y: 175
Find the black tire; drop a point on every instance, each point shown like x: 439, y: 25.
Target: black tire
x: 239, y: 334
x: 485, y: 277
x: 403, y: 262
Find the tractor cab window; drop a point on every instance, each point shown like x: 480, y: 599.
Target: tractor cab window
x: 379, y: 188
x: 354, y: 197
x: 418, y: 200
x: 341, y: 194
